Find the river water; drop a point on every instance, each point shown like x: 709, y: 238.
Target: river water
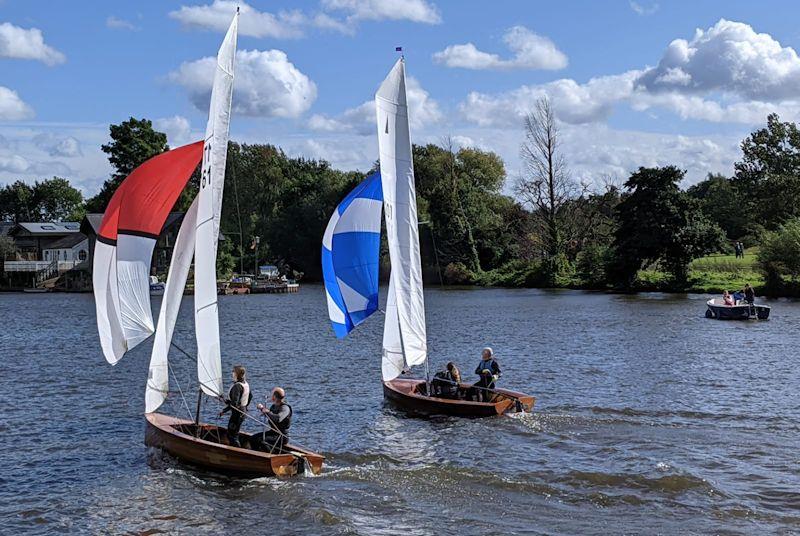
x: 649, y: 419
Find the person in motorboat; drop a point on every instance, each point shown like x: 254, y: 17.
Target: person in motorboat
x: 749, y: 294
x: 488, y: 371
x: 727, y: 299
x: 278, y: 420
x: 445, y: 383
x: 239, y: 398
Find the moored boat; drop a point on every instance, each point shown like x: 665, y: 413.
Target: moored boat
x: 716, y: 308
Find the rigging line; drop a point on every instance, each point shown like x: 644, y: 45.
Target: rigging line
x: 220, y: 398
x: 238, y: 217
x: 180, y: 390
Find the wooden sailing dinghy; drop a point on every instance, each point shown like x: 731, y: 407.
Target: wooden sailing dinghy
x: 412, y: 395
x: 128, y: 233
x: 206, y: 445
x: 350, y: 256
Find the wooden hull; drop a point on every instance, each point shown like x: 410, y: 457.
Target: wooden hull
x: 737, y: 312
x: 405, y: 394
x: 170, y: 434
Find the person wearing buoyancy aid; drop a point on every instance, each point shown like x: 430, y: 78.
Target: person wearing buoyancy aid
x: 239, y: 398
x: 279, y: 418
x: 488, y: 371
x: 446, y: 383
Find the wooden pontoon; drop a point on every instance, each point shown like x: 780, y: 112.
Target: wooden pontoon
x: 411, y: 395
x: 210, y: 449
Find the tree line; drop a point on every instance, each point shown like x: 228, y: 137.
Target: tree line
x: 553, y: 230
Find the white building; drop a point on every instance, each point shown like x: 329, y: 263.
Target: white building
x: 73, y: 248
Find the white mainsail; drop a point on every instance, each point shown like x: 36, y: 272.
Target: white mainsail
x: 209, y: 208
x: 400, y: 212
x: 182, y: 253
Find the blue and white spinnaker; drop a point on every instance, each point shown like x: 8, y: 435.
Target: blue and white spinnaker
x: 350, y: 256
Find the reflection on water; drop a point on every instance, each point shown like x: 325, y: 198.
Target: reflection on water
x: 649, y: 418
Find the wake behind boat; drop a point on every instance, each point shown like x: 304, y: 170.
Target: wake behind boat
x: 350, y: 258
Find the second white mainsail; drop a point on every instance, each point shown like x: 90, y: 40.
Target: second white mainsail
x: 405, y: 314
x: 209, y: 208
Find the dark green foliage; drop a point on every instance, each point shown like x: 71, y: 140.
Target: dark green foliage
x: 779, y: 256
x: 721, y: 200
x: 768, y: 176
x: 459, y: 195
x: 658, y: 223
x: 49, y: 200
x: 132, y: 142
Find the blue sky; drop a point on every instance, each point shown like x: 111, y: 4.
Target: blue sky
x: 626, y: 92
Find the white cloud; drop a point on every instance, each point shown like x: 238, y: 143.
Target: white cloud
x: 411, y: 10
x: 254, y: 23
x: 19, y: 43
x: 177, y: 128
x: 120, y: 24
x: 572, y: 102
x: 423, y: 111
x: 727, y: 74
x: 729, y: 57
x: 35, y: 153
x: 531, y: 51
x: 267, y: 84
x: 642, y: 8
x: 54, y: 145
x: 12, y: 107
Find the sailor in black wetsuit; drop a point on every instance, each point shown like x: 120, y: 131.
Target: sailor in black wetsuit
x: 279, y: 418
x: 239, y: 398
x: 489, y: 372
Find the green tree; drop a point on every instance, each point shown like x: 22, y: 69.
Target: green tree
x: 658, y: 223
x: 779, y: 254
x: 768, y: 175
x: 722, y: 202
x: 56, y: 200
x: 49, y: 200
x: 132, y: 142
x: 17, y: 203
x: 470, y: 222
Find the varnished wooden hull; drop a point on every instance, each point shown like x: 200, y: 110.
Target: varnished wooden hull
x: 403, y: 393
x: 167, y: 433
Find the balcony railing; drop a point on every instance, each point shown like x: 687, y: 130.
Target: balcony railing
x: 36, y: 266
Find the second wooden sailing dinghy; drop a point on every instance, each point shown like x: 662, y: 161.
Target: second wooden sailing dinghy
x: 350, y: 256
x: 128, y: 232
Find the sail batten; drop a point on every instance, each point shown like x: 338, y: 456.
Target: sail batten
x: 209, y: 209
x: 407, y: 337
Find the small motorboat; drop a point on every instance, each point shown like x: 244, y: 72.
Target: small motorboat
x: 206, y: 445
x: 156, y: 287
x: 412, y: 395
x: 36, y: 290
x: 741, y: 311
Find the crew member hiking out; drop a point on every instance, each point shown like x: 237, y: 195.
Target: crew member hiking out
x: 239, y: 398
x: 279, y: 418
x: 489, y: 372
